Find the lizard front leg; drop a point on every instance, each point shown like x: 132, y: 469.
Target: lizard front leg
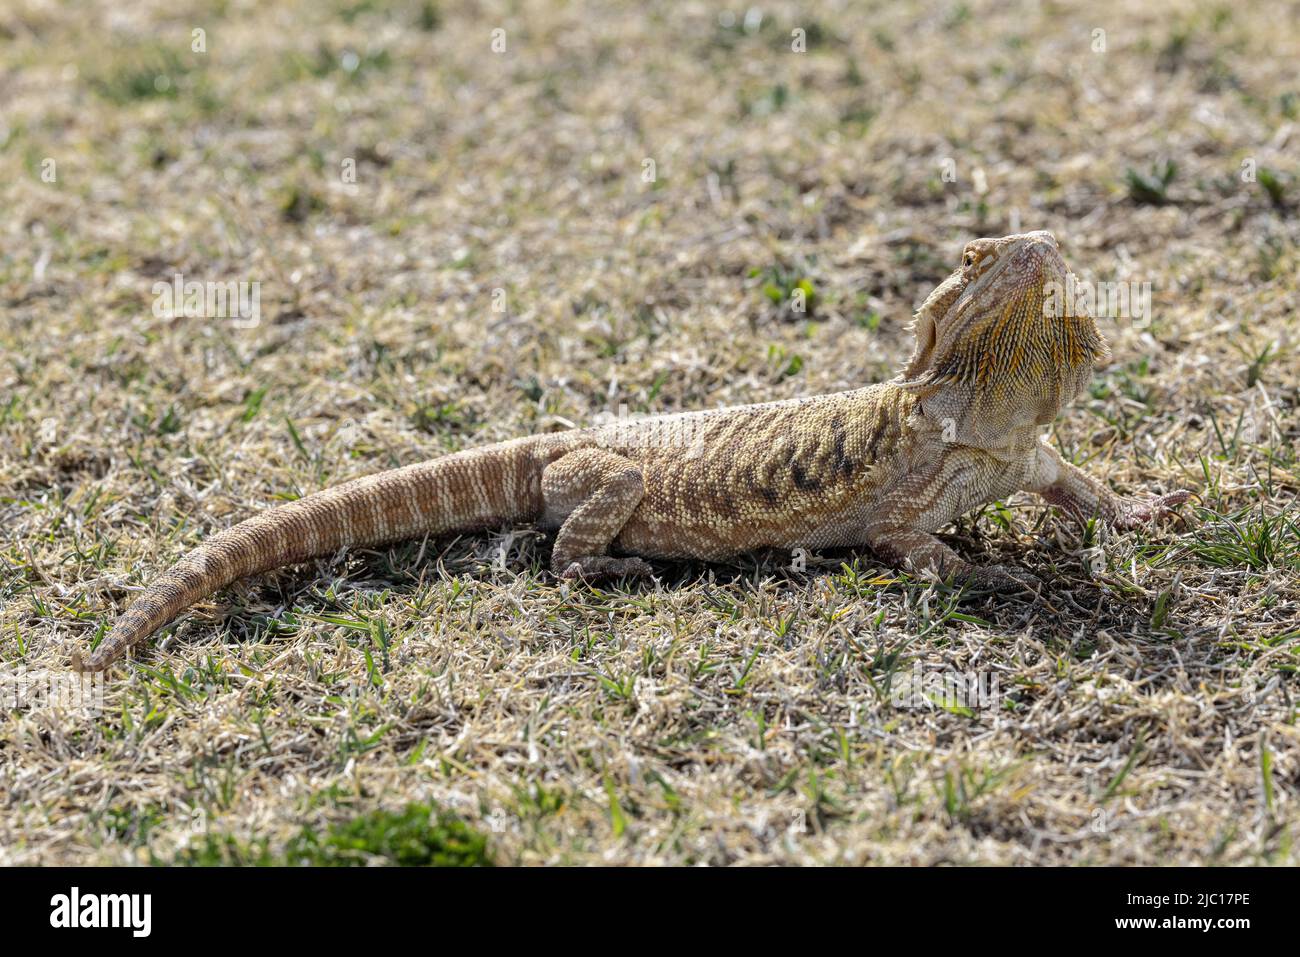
x: 899, y: 530
x: 596, y: 491
x: 1076, y: 492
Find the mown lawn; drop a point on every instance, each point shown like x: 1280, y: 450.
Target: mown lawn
x: 623, y: 207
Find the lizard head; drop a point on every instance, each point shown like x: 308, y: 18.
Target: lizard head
x: 994, y: 354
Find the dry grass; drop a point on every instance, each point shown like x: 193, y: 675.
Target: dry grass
x: 736, y: 713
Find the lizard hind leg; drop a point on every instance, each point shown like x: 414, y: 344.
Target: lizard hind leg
x: 918, y: 550
x: 596, y: 491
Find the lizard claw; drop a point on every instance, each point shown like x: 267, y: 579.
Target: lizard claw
x: 596, y: 567
x: 1141, y: 512
x: 1003, y: 578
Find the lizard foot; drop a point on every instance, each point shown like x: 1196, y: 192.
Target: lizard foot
x: 596, y: 567
x: 1004, y: 578
x: 1138, y: 513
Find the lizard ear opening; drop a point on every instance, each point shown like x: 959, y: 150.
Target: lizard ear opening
x: 940, y: 360
x: 917, y: 374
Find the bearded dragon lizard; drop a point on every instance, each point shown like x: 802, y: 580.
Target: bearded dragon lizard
x: 883, y: 466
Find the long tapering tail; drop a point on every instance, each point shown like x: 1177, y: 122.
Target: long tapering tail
x: 460, y: 492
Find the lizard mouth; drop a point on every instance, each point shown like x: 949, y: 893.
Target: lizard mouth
x: 1030, y: 263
